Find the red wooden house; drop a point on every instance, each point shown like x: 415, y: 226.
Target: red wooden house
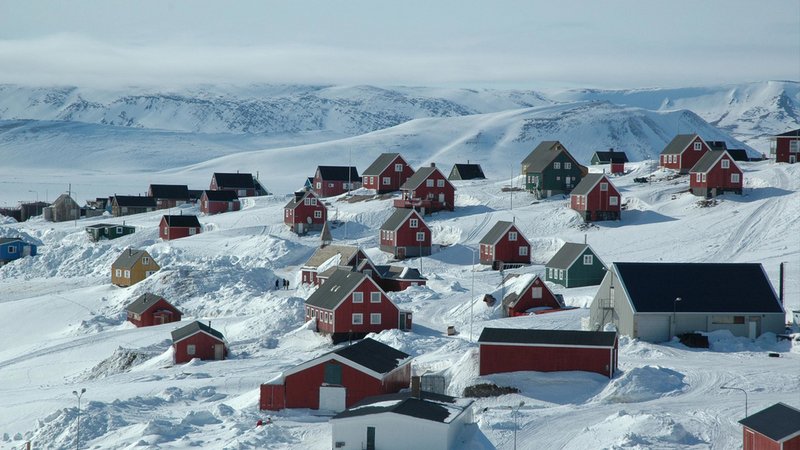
x: 511, y: 350
x: 350, y: 305
x: 405, y: 234
x: 150, y: 309
x: 715, y: 173
x: 505, y: 245
x: 683, y: 152
x: 774, y: 428
x: 786, y: 147
x: 387, y: 173
x: 176, y: 227
x: 198, y: 340
x: 596, y: 198
x: 215, y: 202
x: 169, y: 195
x: 526, y: 292
x: 244, y: 184
x: 327, y: 257
x: 335, y: 180
x: 339, y: 379
x: 305, y: 212
x: 428, y: 190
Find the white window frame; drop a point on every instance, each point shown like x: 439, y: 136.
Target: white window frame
x: 318, y: 214
x: 12, y: 249
x: 429, y: 183
x: 127, y: 274
x: 145, y: 261
x: 319, y: 184
x: 588, y: 260
x: 735, y: 178
x: 413, y: 223
x: 560, y: 274
x: 421, y: 236
x: 698, y: 146
x: 512, y: 235
x: 698, y: 177
x: 613, y: 200
x: 537, y: 292
x: 523, y: 250
x: 119, y: 230
x: 556, y: 165
x: 357, y: 319
x: 118, y: 273
x: 725, y: 164
x: 398, y: 167
x: 358, y: 297
x: 375, y: 319
x: 567, y: 165
x: 439, y: 183
x: 604, y: 187
x: 387, y: 181
x: 374, y: 297
x: 191, y: 350
x: 703, y: 179
x: 192, y: 231
x: 794, y: 146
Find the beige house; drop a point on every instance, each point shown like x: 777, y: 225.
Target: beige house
x: 131, y: 267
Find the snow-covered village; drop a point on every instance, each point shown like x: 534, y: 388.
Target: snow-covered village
x: 383, y: 263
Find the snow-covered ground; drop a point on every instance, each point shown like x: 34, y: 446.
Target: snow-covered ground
x: 64, y: 328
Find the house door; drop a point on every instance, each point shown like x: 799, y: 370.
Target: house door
x: 26, y: 250
x: 219, y: 351
x: 300, y: 227
x: 370, y: 438
x: 792, y: 159
x: 401, y: 252
x: 402, y: 323
x: 754, y: 327
x: 332, y: 398
x: 441, y: 198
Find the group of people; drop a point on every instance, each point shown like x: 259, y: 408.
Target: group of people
x: 281, y: 282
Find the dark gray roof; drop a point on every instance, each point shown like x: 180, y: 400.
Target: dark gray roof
x: 128, y: 258
x: 144, y: 302
x: 429, y: 406
x: 793, y: 133
x: 703, y: 287
x: 777, y: 422
x: 373, y: 355
x: 717, y: 145
x: 380, y: 164
x: 338, y: 173
x: 221, y: 196
x: 678, y: 144
x: 322, y: 254
x: 65, y: 199
x: 333, y: 291
x: 466, y: 172
x: 548, y: 337
x: 9, y: 240
x: 399, y: 273
x: 707, y: 161
x: 609, y: 156
x: 193, y: 328
x: 135, y: 201
x: 298, y: 198
x: 541, y: 156
x: 588, y: 183
x: 170, y: 191
x: 181, y: 221
x: 566, y: 255
x: 498, y: 230
x: 739, y: 154
x: 398, y: 217
x: 419, y: 177
x: 234, y: 180
x: 325, y: 236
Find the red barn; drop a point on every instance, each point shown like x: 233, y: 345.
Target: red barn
x: 330, y: 256
x: 150, y: 309
x: 427, y: 190
x: 511, y: 350
x: 339, y: 379
x: 335, y: 180
x: 176, y: 227
x: 683, y: 152
x: 215, y: 202
x: 387, y: 173
x: 505, y: 245
x: 774, y: 428
x: 786, y: 147
x: 596, y: 198
x: 305, y: 212
x: 715, y: 173
x: 526, y: 292
x: 197, y: 340
x: 350, y: 305
x: 405, y: 234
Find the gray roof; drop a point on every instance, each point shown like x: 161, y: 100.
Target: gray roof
x: 419, y: 177
x: 398, y: 217
x: 777, y: 422
x: 702, y: 287
x: 678, y: 144
x: 707, y: 161
x: 325, y: 235
x: 194, y: 328
x: 65, y: 199
x: 323, y: 254
x: 380, y: 164
x: 428, y: 406
x: 588, y: 183
x: 498, y: 230
x: 333, y: 291
x: 548, y: 337
x: 144, y: 302
x: 128, y: 258
x: 544, y: 154
x: 566, y: 255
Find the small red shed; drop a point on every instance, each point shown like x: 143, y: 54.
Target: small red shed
x: 715, y: 173
x: 176, y: 227
x: 405, y: 234
x: 526, y: 292
x: 197, y: 340
x: 683, y: 152
x: 596, y: 198
x: 215, y: 202
x: 339, y: 379
x: 774, y: 428
x: 428, y: 190
x: 511, y: 350
x: 505, y: 245
x: 150, y: 309
x: 335, y: 180
x: 387, y: 173
x: 785, y: 147
x: 305, y: 212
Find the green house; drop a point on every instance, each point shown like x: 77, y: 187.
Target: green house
x: 575, y: 265
x: 108, y: 231
x: 550, y: 170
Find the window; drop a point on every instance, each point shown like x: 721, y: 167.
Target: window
x: 698, y: 177
x: 421, y: 236
x: 12, y: 249
x: 192, y: 231
x: 358, y: 297
x: 536, y: 292
x: 166, y: 232
x: 567, y: 165
x: 588, y: 260
x: 118, y: 273
x: 374, y: 297
x: 358, y: 319
x: 119, y: 229
x: 398, y: 167
x: 330, y: 184
x: 190, y: 349
x: 317, y: 214
x: 375, y: 319
x: 560, y: 274
x: 738, y: 320
x: 127, y: 274
x: 794, y: 146
x: 725, y: 164
x: 613, y: 200
x: 734, y: 178
x: 558, y: 178
x: 556, y: 165
x: 604, y: 187
x: 523, y: 251
x: 698, y: 146
x: 429, y: 183
x: 319, y: 184
x: 512, y: 236
x: 550, y: 272
x: 439, y: 183
x: 145, y: 261
x: 313, y: 313
x: 413, y: 223
x: 703, y: 179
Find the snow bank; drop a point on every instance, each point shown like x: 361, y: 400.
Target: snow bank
x: 637, y: 432
x: 642, y: 384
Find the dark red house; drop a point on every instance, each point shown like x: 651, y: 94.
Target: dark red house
x: 327, y: 257
x: 305, y: 212
x: 774, y: 428
x: 596, y: 198
x: 505, y: 245
x: 215, y: 202
x: 405, y: 234
x: 150, y: 309
x: 525, y: 293
x: 169, y: 195
x: 786, y: 147
x: 428, y: 191
x: 683, y: 152
x: 715, y: 173
x: 511, y: 350
x: 387, y: 173
x: 198, y: 340
x: 244, y: 184
x: 335, y: 180
x: 350, y: 305
x: 176, y: 227
x: 339, y: 379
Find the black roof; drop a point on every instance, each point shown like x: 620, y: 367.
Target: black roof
x: 135, y: 200
x: 193, y: 328
x: 702, y: 287
x: 610, y: 156
x: 793, y: 133
x: 338, y: 173
x: 234, y: 180
x: 466, y: 172
x: 777, y: 422
x: 182, y: 221
x: 333, y: 291
x: 110, y: 225
x: 144, y: 302
x: 380, y: 164
x: 429, y: 406
x: 221, y: 196
x: 551, y: 337
x: 373, y: 355
x: 170, y: 191
x: 739, y: 154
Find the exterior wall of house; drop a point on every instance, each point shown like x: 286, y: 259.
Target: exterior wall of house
x: 161, y: 308
x: 304, y: 217
x: 433, y: 198
x: 496, y: 358
x: 792, y: 444
x: 403, y: 242
x: 661, y: 326
x: 618, y: 168
x: 395, y: 432
x: 343, y: 316
x: 395, y: 178
x: 118, y: 211
x: 620, y: 313
x: 552, y: 181
x: 241, y: 192
x: 506, y: 250
x: 527, y: 301
x: 171, y: 233
x: 216, y: 207
x: 597, y: 204
x: 717, y: 180
x: 579, y: 273
x: 204, y: 348
x: 753, y: 440
x: 16, y: 250
x: 137, y: 273
x: 783, y: 151
x: 686, y: 160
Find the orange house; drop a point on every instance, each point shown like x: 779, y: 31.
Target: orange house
x: 131, y: 267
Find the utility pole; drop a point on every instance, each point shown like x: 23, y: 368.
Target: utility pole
x: 78, y: 431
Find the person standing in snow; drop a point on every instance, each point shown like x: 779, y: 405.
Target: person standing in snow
x: 276, y: 283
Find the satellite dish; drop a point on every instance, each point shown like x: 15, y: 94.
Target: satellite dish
x: 308, y: 219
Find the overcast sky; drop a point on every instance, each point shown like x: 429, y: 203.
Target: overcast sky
x: 504, y: 44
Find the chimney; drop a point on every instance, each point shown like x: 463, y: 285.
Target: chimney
x: 585, y: 237
x: 433, y: 164
x: 611, y: 149
x: 415, y: 386
x: 780, y: 283
x: 130, y: 251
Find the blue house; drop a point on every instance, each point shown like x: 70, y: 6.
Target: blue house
x: 14, y: 248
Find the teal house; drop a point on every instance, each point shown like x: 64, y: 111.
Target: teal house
x: 575, y: 265
x: 550, y: 170
x: 108, y: 231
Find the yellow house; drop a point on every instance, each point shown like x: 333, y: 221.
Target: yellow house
x: 131, y: 267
